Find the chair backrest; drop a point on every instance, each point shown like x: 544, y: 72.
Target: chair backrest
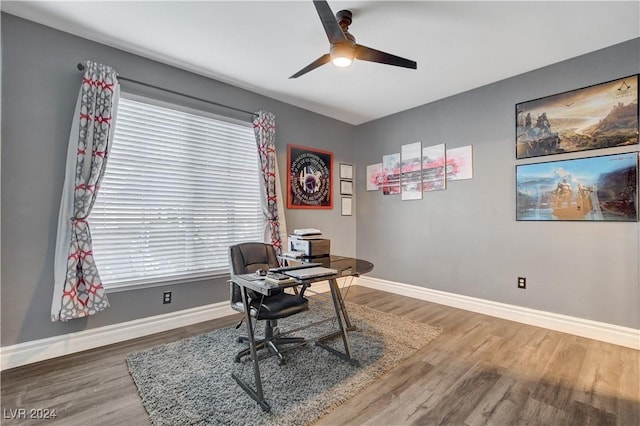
x: 247, y: 258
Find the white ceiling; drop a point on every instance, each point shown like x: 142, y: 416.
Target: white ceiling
x: 258, y: 45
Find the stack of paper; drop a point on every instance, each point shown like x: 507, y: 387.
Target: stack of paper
x: 306, y: 232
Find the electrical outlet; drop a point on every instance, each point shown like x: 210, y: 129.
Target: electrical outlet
x: 166, y: 297
x: 522, y: 282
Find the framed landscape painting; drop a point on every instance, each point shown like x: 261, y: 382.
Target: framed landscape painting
x: 600, y: 116
x: 603, y: 188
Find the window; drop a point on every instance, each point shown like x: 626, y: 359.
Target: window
x: 180, y: 188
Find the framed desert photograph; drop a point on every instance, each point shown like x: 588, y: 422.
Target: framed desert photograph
x: 309, y: 184
x: 594, y: 117
x: 603, y: 188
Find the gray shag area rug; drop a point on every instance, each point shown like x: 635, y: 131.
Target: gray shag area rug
x: 189, y: 382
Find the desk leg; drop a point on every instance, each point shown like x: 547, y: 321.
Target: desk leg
x: 256, y: 394
x: 342, y: 323
x: 347, y: 321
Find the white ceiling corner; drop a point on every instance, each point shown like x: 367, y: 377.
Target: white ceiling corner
x: 257, y: 45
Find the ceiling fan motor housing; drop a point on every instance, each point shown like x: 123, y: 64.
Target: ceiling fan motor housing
x: 344, y: 18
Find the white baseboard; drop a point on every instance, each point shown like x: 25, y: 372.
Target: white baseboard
x: 618, y: 335
x: 51, y: 347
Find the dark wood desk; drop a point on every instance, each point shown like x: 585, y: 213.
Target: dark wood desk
x: 346, y: 266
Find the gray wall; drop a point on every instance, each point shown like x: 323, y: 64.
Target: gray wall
x: 465, y: 240
x: 40, y: 85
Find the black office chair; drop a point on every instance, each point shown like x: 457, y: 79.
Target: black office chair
x: 248, y: 258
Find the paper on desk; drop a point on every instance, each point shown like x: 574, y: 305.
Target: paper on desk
x: 251, y: 277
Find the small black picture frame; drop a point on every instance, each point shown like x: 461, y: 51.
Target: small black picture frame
x: 346, y: 206
x: 346, y: 187
x: 346, y: 171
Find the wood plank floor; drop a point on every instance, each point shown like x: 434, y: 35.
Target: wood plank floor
x: 480, y: 371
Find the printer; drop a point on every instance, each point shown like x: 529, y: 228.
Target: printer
x: 309, y: 246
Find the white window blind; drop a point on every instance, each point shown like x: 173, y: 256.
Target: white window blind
x: 179, y: 189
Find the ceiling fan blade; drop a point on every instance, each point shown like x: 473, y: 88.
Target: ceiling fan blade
x: 365, y: 53
x: 313, y: 65
x: 329, y: 22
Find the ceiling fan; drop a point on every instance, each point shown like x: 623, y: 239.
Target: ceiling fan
x: 344, y: 48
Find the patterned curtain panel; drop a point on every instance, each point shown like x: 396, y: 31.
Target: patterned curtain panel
x: 264, y: 125
x: 78, y: 290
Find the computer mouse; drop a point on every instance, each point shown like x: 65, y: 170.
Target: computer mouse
x: 261, y: 273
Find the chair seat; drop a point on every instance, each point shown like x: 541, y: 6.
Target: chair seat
x: 279, y: 306
x: 247, y: 258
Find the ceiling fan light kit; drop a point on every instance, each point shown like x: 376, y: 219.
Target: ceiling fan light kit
x: 343, y: 47
x: 341, y: 55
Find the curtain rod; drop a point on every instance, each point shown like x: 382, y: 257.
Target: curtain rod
x: 253, y: 114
